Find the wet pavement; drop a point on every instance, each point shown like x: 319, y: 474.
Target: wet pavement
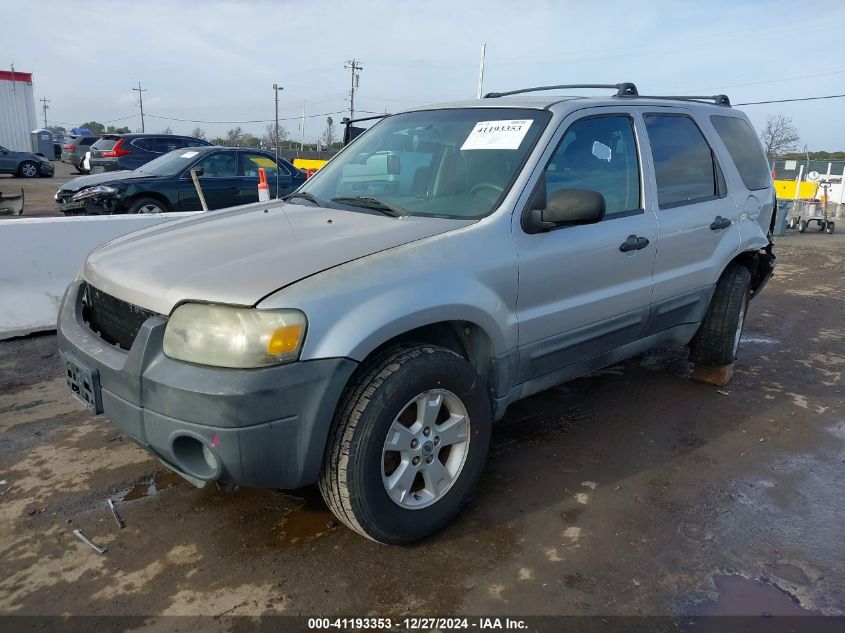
x: 633, y: 491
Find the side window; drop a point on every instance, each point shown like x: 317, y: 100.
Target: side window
x: 88, y: 141
x: 146, y: 144
x: 193, y: 142
x: 219, y: 165
x: 251, y: 162
x: 599, y: 153
x: 684, y: 166
x: 745, y: 151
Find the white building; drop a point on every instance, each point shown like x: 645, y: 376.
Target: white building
x: 17, y: 110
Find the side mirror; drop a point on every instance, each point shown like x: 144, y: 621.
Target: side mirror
x: 564, y: 207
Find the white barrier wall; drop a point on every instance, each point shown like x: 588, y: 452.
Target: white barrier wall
x: 39, y: 257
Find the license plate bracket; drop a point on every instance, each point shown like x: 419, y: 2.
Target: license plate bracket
x: 83, y: 382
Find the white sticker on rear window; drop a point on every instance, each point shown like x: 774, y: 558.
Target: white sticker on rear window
x: 497, y: 134
x: 188, y: 154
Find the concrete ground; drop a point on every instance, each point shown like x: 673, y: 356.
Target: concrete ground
x: 38, y: 192
x: 632, y: 491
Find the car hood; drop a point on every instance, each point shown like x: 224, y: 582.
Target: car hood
x: 103, y: 179
x: 241, y: 255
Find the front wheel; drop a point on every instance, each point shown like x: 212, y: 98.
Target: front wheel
x: 408, y: 444
x: 829, y: 228
x: 802, y: 226
x: 28, y: 169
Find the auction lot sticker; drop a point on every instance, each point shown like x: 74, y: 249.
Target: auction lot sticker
x: 497, y: 134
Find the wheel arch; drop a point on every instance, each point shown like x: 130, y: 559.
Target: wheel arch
x: 132, y: 199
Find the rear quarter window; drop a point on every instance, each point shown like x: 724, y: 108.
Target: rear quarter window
x: 745, y: 151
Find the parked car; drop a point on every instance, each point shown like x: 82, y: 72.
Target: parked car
x: 227, y: 176
x: 74, y: 149
x: 24, y: 164
x: 365, y: 333
x: 114, y: 152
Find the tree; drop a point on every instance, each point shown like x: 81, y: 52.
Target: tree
x: 234, y: 137
x: 167, y: 131
x: 327, y: 138
x: 198, y: 132
x: 779, y: 136
x: 250, y: 140
x: 268, y: 139
x: 58, y: 132
x: 95, y: 127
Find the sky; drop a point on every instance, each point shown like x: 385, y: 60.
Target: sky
x: 216, y: 60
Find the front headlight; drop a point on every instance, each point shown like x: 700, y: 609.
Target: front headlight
x: 94, y: 191
x: 227, y: 336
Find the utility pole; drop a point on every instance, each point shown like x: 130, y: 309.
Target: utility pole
x: 481, y: 71
x: 44, y: 101
x: 354, y: 65
x: 276, y: 89
x: 140, y: 92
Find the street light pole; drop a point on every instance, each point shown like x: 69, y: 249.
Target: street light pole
x: 276, y: 89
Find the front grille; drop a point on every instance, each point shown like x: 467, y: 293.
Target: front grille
x: 113, y: 320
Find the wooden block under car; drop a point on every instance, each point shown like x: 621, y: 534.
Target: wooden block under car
x: 718, y: 375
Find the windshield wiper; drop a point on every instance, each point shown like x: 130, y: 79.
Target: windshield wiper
x: 305, y: 196
x: 368, y: 202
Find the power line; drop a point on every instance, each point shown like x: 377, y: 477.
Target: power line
x: 294, y: 118
x: 790, y: 100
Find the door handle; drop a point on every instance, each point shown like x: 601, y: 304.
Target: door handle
x: 633, y: 243
x: 720, y: 223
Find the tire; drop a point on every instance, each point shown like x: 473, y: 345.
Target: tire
x: 829, y: 228
x: 359, y: 465
x: 717, y: 340
x: 79, y: 169
x: 822, y: 226
x: 29, y: 169
x: 802, y: 226
x: 147, y: 205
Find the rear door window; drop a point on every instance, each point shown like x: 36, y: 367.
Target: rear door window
x: 745, y: 151
x: 684, y: 165
x: 251, y: 162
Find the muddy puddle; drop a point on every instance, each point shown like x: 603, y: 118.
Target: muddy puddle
x: 150, y: 486
x: 738, y: 595
x: 307, y: 520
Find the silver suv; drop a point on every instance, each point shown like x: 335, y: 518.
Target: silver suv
x: 366, y: 332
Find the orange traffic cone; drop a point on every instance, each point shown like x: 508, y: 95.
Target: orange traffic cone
x: 263, y: 187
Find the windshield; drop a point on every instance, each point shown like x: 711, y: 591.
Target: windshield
x: 169, y: 164
x: 447, y: 163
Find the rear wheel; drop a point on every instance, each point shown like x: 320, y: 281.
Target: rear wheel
x: 822, y: 225
x: 408, y: 444
x: 717, y: 340
x: 28, y: 169
x: 802, y: 226
x: 147, y: 205
x: 829, y: 228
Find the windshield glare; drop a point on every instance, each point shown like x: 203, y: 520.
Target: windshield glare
x: 448, y: 163
x: 169, y: 164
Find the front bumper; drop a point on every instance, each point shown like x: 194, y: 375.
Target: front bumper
x: 264, y: 428
x: 47, y: 169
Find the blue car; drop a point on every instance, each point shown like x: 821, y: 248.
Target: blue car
x: 228, y: 176
x: 114, y: 152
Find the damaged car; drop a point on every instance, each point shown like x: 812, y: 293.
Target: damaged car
x: 227, y: 176
x: 364, y: 333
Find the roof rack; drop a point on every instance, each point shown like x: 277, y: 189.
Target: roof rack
x: 622, y: 90
x: 721, y: 100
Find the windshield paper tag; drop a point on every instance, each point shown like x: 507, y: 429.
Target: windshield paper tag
x: 188, y: 154
x: 497, y: 134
